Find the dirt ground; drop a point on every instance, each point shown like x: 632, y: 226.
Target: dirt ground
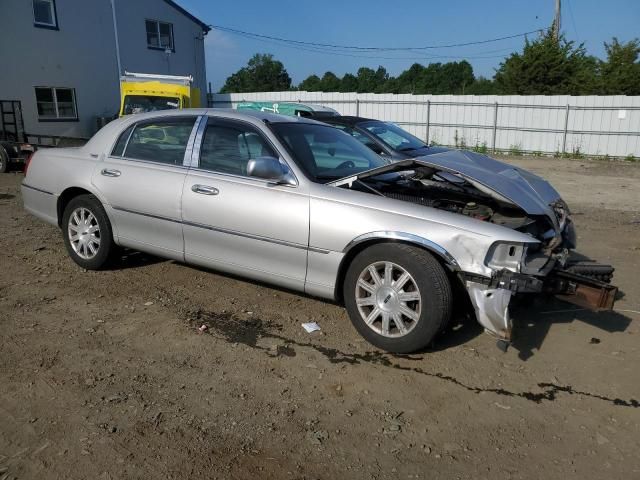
x: 103, y: 375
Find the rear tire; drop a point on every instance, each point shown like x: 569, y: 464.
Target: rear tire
x: 87, y: 233
x: 398, y: 297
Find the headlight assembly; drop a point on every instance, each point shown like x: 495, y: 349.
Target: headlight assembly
x: 507, y: 255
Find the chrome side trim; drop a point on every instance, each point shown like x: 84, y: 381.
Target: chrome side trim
x: 226, y: 231
x: 405, y: 237
x: 36, y: 189
x: 150, y: 215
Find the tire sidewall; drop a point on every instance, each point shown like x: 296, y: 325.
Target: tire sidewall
x: 433, y: 307
x: 106, y: 247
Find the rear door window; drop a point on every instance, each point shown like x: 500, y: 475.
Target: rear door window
x: 160, y: 141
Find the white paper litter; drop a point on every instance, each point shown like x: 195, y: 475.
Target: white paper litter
x: 311, y: 327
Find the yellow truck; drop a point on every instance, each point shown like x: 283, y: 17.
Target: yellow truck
x: 146, y: 92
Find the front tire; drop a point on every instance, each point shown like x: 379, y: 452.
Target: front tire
x: 398, y: 297
x: 87, y: 233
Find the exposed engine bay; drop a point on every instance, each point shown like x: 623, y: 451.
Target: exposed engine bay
x: 425, y: 186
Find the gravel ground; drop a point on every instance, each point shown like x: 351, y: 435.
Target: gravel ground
x: 104, y: 375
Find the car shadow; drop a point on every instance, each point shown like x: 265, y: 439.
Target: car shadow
x: 532, y: 322
x: 133, y: 259
x: 532, y: 318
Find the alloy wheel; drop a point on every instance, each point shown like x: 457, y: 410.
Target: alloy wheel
x: 388, y: 299
x: 84, y: 233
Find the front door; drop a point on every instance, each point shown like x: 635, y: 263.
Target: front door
x: 240, y: 224
x: 142, y: 180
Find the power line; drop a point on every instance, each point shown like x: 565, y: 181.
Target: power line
x: 325, y: 51
x: 360, y: 48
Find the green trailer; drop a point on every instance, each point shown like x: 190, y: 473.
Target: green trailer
x: 290, y: 108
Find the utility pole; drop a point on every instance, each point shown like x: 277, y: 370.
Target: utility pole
x: 556, y: 21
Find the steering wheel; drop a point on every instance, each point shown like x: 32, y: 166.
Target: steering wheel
x: 346, y: 164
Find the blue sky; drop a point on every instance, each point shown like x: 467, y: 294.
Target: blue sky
x: 398, y: 23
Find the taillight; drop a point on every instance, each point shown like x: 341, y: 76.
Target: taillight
x: 27, y: 162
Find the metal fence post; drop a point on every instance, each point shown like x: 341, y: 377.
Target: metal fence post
x: 428, y: 119
x: 357, y: 107
x: 566, y: 127
x: 495, y: 127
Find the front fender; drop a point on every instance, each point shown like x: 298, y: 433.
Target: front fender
x: 405, y: 237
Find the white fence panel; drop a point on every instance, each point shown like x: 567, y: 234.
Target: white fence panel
x: 592, y: 125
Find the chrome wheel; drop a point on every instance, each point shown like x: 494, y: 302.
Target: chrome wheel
x: 388, y: 299
x: 84, y: 233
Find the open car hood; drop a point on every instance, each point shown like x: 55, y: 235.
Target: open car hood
x: 500, y: 180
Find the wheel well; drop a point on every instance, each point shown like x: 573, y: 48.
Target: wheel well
x: 65, y: 197
x: 351, y: 254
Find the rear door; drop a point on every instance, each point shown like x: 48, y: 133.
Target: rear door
x: 241, y: 224
x: 142, y: 179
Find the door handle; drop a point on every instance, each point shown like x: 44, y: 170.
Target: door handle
x: 110, y: 173
x: 205, y: 189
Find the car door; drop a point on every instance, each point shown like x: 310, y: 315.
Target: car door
x: 142, y: 180
x: 241, y: 224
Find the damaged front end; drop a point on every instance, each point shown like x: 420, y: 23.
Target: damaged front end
x: 490, y: 191
x: 490, y: 297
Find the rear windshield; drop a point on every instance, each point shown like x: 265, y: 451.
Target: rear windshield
x: 148, y: 103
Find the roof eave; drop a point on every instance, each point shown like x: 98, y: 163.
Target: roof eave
x: 206, y: 28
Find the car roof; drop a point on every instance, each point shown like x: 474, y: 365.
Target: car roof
x: 219, y: 112
x: 106, y: 134
x: 348, y: 120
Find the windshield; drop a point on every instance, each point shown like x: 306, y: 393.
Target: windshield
x: 326, y: 153
x: 147, y: 103
x: 394, y: 136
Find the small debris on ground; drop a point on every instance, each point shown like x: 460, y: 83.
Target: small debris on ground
x: 311, y: 327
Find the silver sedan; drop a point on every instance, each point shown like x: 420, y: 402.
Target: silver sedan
x: 305, y: 206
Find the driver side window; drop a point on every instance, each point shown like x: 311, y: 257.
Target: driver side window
x: 227, y: 147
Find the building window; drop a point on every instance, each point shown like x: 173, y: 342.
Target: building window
x: 55, y: 103
x: 44, y: 14
x: 159, y: 35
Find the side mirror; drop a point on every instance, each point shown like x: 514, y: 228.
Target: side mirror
x: 269, y: 168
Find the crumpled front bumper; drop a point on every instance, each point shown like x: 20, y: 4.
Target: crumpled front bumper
x: 490, y: 297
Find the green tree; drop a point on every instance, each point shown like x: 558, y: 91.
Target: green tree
x: 370, y: 80
x: 329, y: 82
x: 548, y: 66
x: 445, y: 78
x: 262, y: 74
x: 408, y: 80
x: 482, y: 86
x: 310, y: 84
x: 620, y: 73
x: 349, y: 83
